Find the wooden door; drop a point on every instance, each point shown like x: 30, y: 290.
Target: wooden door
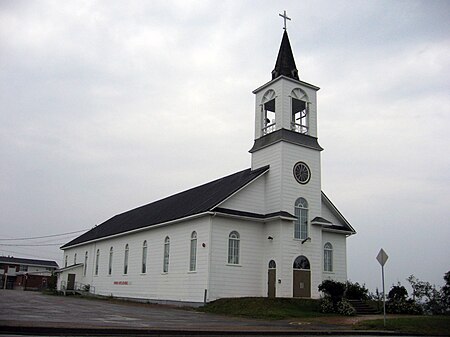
x: 271, y: 286
x: 71, y: 282
x: 302, y: 283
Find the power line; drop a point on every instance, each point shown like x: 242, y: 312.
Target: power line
x: 46, y: 236
x: 30, y: 245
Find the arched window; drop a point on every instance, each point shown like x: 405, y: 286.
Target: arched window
x: 85, y: 263
x: 301, y: 224
x: 233, y: 248
x: 268, y: 112
x: 193, y: 255
x: 125, y: 259
x: 166, y: 255
x: 110, y: 261
x: 272, y: 264
x: 97, y: 258
x: 144, y: 257
x: 301, y: 262
x: 75, y: 258
x: 300, y: 111
x: 328, y: 257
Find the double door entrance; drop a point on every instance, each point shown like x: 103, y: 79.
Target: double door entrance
x: 301, y: 278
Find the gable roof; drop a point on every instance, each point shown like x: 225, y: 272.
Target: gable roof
x: 28, y: 262
x: 345, y: 224
x: 191, y: 202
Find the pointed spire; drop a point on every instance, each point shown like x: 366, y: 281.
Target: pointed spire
x: 285, y: 64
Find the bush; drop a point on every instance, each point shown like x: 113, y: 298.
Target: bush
x: 345, y: 308
x: 326, y: 305
x: 334, y: 289
x: 397, y: 293
x: 355, y: 291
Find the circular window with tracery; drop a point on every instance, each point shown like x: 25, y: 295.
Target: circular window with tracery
x: 302, y: 173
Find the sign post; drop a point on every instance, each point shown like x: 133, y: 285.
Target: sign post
x: 382, y: 257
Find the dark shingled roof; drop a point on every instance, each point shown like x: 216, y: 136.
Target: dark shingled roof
x: 253, y: 215
x: 194, y: 201
x: 29, y: 262
x: 288, y: 136
x: 285, y: 64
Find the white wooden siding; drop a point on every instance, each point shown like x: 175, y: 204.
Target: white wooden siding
x: 338, y: 242
x: 179, y: 284
x: 250, y: 199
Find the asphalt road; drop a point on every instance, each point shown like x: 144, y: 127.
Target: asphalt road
x: 32, y: 312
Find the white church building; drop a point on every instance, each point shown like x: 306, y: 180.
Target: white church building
x: 266, y: 231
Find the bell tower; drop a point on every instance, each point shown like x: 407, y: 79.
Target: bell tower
x: 286, y: 135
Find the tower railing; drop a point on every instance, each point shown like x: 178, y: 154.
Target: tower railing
x: 269, y: 128
x: 300, y: 128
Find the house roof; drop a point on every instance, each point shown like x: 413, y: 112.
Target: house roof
x: 285, y: 64
x: 28, y: 262
x: 345, y: 224
x: 191, y: 202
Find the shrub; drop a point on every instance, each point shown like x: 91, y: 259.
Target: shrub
x: 326, y: 305
x: 397, y: 293
x: 344, y: 308
x: 334, y: 289
x: 355, y: 291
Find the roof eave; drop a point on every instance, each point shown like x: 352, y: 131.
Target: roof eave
x: 306, y: 84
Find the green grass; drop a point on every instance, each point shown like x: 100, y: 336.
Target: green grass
x: 264, y: 308
x: 427, y: 325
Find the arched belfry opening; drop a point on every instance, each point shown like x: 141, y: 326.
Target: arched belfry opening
x: 268, y: 112
x: 299, y: 111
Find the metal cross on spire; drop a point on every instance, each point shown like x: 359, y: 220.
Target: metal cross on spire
x: 285, y: 17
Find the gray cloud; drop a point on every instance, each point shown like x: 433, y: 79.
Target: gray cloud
x: 106, y: 106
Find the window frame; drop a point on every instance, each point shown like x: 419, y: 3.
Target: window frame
x: 144, y: 257
x: 234, y: 239
x: 110, y: 263
x: 85, y: 263
x: 193, y: 252
x: 125, y: 259
x: 97, y: 258
x: 328, y: 257
x: 301, y: 211
x: 166, y: 255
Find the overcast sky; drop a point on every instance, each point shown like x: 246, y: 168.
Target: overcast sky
x: 108, y: 105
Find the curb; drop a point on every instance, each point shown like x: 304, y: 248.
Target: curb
x: 70, y: 331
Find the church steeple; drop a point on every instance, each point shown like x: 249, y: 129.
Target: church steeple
x: 285, y: 64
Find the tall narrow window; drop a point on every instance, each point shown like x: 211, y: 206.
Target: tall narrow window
x: 166, y: 255
x: 193, y: 255
x: 301, y: 224
x: 97, y: 258
x: 85, y: 263
x: 65, y: 261
x: 125, y: 259
x: 75, y: 258
x: 110, y: 261
x: 328, y: 257
x: 144, y: 257
x: 233, y: 248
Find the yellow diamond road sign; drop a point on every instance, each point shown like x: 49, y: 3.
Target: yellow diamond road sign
x: 382, y: 257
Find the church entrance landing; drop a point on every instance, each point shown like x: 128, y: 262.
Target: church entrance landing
x: 302, y: 277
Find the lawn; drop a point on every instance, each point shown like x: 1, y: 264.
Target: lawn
x: 427, y: 325
x: 264, y: 308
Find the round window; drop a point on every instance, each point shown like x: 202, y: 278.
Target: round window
x: 302, y: 173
